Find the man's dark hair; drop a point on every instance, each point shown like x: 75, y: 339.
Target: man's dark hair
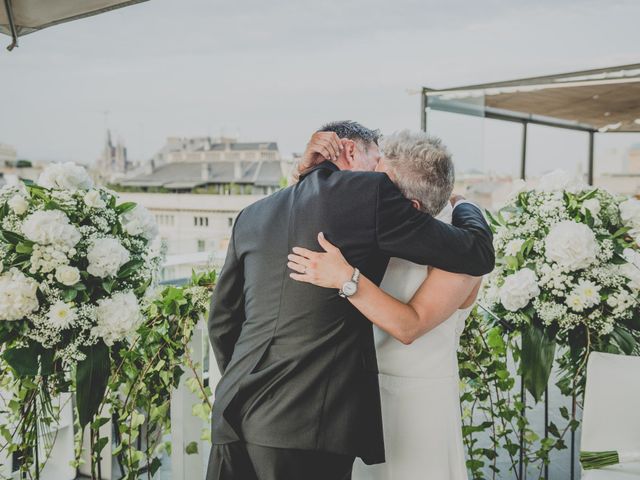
x: 353, y: 131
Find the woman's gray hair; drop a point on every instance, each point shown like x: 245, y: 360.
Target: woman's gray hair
x: 422, y: 167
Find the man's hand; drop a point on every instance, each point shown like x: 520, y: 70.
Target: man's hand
x: 455, y: 198
x: 322, y: 146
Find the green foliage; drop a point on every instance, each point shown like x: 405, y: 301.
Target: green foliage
x: 538, y: 352
x: 92, y: 375
x: 130, y: 383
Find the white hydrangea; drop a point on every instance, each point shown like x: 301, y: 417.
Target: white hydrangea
x: 117, y: 317
x: 93, y: 199
x: 518, y: 289
x: 139, y: 221
x: 572, y: 245
x: 61, y: 315
x: 65, y: 176
x: 513, y: 247
x: 106, y: 256
x: 47, y: 258
x: 18, y: 204
x: 67, y: 275
x: 17, y: 295
x: 48, y: 227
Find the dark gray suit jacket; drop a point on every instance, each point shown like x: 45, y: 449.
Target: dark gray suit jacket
x: 298, y: 362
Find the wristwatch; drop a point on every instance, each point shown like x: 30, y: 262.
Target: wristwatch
x: 351, y: 287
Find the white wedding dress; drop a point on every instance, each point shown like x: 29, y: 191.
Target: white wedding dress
x: 419, y: 389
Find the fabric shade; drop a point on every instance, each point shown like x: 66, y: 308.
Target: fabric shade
x: 20, y: 17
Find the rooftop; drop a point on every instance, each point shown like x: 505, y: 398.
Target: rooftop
x: 187, y: 175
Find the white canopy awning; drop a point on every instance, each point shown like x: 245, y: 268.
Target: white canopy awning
x: 20, y: 17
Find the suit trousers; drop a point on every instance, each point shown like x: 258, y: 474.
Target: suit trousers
x: 243, y: 461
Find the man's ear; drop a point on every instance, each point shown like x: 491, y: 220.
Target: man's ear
x: 416, y: 204
x: 349, y: 150
x: 346, y: 159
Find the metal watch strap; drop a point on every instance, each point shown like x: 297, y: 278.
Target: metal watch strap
x: 354, y: 279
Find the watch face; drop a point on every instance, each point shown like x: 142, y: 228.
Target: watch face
x: 349, y: 288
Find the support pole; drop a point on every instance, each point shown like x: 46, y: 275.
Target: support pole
x: 424, y: 103
x: 590, y: 171
x: 523, y: 153
x: 12, y: 25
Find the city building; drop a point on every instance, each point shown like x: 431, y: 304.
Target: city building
x: 114, y: 162
x: 209, y: 149
x: 195, y: 187
x: 195, y: 228
x: 204, y: 165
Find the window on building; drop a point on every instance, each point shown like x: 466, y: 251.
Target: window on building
x: 201, y: 245
x: 201, y: 221
x: 230, y: 221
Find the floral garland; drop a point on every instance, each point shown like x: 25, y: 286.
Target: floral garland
x: 566, y: 283
x: 568, y: 273
x: 80, y: 313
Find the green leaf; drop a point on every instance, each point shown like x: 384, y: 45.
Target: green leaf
x: 625, y: 340
x: 70, y: 295
x: 92, y: 375
x: 23, y: 247
x: 621, y: 231
x: 191, y: 448
x: 108, y: 285
x: 46, y: 362
x: 125, y: 207
x: 130, y: 267
x: 24, y: 360
x: 538, y: 352
x: 12, y: 237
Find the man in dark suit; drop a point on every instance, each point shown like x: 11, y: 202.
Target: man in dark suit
x: 298, y: 398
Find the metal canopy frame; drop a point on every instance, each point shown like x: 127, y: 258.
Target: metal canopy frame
x: 15, y: 29
x: 430, y: 100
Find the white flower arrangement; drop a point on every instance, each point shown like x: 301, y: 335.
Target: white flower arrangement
x: 567, y: 257
x: 74, y: 263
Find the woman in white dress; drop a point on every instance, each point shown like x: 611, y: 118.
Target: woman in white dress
x: 418, y: 315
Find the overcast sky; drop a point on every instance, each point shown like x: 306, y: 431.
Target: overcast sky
x: 277, y: 70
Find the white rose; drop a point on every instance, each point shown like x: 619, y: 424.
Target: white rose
x: 18, y: 204
x: 50, y: 227
x: 513, y: 247
x: 630, y: 211
x: 93, y: 199
x: 139, y: 221
x: 571, y: 245
x: 61, y: 315
x: 65, y: 176
x: 106, y: 256
x: 67, y: 275
x: 631, y: 270
x: 117, y: 317
x: 518, y: 289
x: 17, y: 295
x: 593, y: 206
